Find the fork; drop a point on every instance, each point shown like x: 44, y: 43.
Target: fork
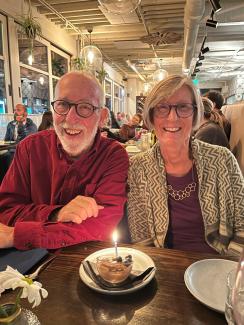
x: 35, y: 274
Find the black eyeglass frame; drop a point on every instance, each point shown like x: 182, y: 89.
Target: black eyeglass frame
x: 176, y: 107
x: 94, y: 108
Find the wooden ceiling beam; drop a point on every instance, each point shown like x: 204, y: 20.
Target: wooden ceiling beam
x: 76, y: 14
x: 67, y: 7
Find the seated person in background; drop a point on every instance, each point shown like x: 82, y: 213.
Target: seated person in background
x: 235, y: 115
x: 47, y: 121
x: 127, y: 131
x: 65, y: 186
x: 184, y: 193
x: 21, y: 126
x: 113, y: 122
x: 211, y: 129
x: 218, y: 100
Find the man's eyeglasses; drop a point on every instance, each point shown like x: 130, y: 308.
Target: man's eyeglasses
x: 182, y: 110
x: 62, y: 107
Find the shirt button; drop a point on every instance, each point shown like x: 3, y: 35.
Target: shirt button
x: 63, y: 243
x: 29, y: 245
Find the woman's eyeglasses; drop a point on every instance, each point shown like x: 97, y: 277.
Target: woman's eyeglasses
x: 182, y: 110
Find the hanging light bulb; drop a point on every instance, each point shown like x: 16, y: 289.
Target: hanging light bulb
x: 41, y: 80
x: 119, y: 7
x: 159, y: 75
x: 30, y: 59
x: 92, y: 56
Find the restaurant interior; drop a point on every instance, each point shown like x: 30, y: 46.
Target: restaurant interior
x: 129, y: 46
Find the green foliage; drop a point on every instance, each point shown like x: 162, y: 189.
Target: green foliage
x: 78, y: 64
x: 30, y: 27
x: 102, y: 74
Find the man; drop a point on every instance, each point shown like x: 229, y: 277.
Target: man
x: 235, y: 115
x: 218, y: 100
x: 21, y: 126
x: 66, y: 185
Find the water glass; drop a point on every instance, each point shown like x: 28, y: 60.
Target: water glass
x: 238, y: 293
x: 229, y: 301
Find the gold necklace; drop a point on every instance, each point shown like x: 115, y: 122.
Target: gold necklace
x: 179, y: 195
x: 182, y: 194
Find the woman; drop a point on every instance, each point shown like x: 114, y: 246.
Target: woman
x: 184, y: 194
x: 211, y: 129
x: 47, y: 121
x: 128, y: 131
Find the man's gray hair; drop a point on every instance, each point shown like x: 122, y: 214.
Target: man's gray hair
x: 164, y: 90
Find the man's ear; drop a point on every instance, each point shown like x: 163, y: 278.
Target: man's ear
x: 104, y: 116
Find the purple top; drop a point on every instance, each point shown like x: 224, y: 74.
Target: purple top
x: 186, y: 228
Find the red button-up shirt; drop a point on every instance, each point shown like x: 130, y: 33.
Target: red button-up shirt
x: 42, y: 178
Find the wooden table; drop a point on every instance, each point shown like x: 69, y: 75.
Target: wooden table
x: 6, y: 145
x: 165, y: 300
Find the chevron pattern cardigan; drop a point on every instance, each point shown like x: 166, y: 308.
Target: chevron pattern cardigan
x: 221, y: 196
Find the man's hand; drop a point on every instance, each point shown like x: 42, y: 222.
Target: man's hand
x: 6, y: 236
x: 20, y: 118
x: 79, y: 209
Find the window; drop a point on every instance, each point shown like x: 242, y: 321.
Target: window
x: 35, y: 91
x: 39, y: 54
x: 59, y: 64
x: 108, y: 94
x: 118, y: 98
x: 5, y: 86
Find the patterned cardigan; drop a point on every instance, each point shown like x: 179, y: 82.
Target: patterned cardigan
x: 221, y: 196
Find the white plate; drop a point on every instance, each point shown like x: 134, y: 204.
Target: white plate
x: 141, y: 262
x: 206, y: 281
x: 132, y: 149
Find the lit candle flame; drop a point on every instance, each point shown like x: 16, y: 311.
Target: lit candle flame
x: 115, y: 236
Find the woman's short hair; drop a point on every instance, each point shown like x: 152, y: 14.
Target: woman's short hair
x: 165, y: 89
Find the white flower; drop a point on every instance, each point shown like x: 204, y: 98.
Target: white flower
x: 12, y: 279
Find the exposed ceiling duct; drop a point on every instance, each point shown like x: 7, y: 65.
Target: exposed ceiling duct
x: 194, y: 11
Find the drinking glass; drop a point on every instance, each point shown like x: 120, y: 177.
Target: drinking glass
x: 228, y: 303
x: 238, y: 293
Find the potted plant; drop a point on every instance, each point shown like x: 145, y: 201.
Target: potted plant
x: 78, y: 64
x: 30, y: 27
x: 102, y: 74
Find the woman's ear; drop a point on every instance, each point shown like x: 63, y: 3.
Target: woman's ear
x: 104, y: 116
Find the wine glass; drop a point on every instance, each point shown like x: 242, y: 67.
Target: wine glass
x: 238, y: 293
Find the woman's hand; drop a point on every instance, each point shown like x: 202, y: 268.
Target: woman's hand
x: 78, y: 210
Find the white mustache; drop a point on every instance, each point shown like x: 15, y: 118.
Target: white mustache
x: 73, y: 127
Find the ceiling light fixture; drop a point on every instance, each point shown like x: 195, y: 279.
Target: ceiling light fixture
x: 200, y: 58
x: 196, y: 70
x: 215, y: 4
x: 205, y: 50
x: 92, y: 56
x: 159, y: 75
x: 198, y: 64
x: 212, y: 23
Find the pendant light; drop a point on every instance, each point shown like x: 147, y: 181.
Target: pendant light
x: 92, y: 56
x: 159, y: 74
x: 119, y: 7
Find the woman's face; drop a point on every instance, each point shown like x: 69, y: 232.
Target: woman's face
x: 174, y: 130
